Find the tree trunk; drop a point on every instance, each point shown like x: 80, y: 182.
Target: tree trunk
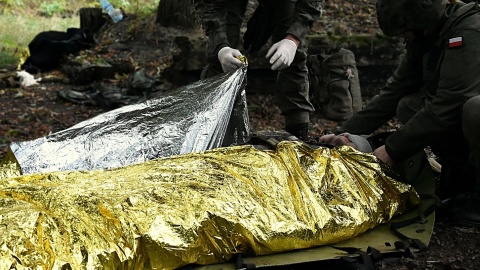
x: 91, y: 19
x: 176, y: 13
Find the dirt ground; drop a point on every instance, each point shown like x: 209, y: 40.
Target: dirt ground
x: 37, y: 111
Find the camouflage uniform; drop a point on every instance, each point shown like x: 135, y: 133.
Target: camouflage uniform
x: 434, y: 92
x: 222, y: 20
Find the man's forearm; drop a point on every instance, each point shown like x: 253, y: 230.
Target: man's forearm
x: 307, y: 12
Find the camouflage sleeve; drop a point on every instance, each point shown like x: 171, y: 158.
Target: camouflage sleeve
x: 212, y: 16
x: 406, y: 79
x: 306, y: 13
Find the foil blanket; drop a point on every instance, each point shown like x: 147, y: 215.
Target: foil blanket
x: 203, y: 115
x: 197, y: 208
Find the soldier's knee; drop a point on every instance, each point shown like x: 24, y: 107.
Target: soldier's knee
x: 471, y: 110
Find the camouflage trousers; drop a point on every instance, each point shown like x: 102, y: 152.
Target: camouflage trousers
x: 291, y: 88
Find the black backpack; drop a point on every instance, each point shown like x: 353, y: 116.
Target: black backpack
x: 334, y: 85
x: 48, y: 48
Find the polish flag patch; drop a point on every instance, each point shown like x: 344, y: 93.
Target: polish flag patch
x: 455, y: 42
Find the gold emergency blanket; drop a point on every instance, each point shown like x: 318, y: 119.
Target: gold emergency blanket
x: 195, y: 208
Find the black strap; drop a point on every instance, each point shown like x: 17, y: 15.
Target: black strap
x: 365, y: 261
x: 408, y: 242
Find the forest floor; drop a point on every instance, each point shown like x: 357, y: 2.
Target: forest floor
x: 32, y: 112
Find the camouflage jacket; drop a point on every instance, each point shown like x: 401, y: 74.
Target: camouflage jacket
x: 212, y: 15
x: 446, y: 83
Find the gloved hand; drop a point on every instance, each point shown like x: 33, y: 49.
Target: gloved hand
x: 228, y: 59
x: 281, y: 54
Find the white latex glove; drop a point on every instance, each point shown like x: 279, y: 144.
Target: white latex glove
x: 281, y: 54
x: 228, y: 59
x: 336, y: 140
x: 27, y: 79
x: 356, y: 141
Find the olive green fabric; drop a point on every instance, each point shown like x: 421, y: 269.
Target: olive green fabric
x: 471, y: 129
x: 443, y: 79
x: 335, y: 85
x: 222, y: 20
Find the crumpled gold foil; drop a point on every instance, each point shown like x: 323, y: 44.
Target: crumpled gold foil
x: 195, y: 208
x: 9, y: 166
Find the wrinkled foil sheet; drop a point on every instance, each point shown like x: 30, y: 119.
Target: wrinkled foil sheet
x: 197, y: 208
x: 192, y: 118
x: 9, y: 166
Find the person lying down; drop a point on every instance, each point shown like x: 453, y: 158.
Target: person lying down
x: 356, y: 141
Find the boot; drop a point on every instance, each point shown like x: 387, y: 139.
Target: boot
x: 466, y: 209
x: 456, y: 178
x: 298, y: 130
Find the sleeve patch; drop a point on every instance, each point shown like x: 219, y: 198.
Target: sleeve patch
x: 455, y: 42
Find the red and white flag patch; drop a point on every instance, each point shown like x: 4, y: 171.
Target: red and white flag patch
x: 455, y: 42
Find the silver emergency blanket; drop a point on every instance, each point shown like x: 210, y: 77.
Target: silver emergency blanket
x: 197, y: 117
x: 199, y: 208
